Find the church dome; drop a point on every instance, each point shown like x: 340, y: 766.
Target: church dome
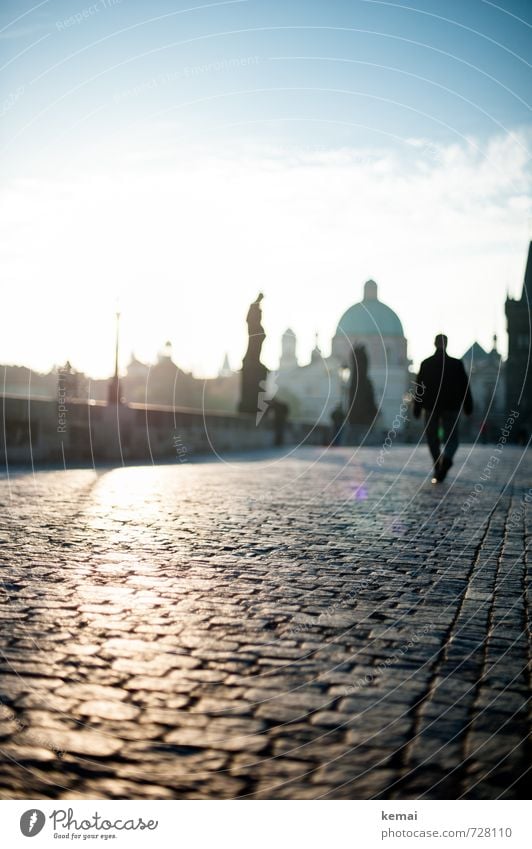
x: 370, y: 317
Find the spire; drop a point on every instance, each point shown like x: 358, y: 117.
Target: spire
x: 316, y: 353
x: 225, y: 370
x: 527, y: 283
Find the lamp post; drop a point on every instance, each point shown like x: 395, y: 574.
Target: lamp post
x: 114, y: 391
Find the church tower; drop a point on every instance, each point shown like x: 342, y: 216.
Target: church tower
x: 288, y: 351
x: 519, y: 363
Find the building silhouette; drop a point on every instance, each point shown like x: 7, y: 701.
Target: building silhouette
x: 288, y: 351
x: 518, y: 365
x: 314, y: 390
x: 487, y: 380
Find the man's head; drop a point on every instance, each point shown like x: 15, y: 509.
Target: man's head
x: 260, y: 296
x: 441, y: 342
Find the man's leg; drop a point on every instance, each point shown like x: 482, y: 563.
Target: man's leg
x: 450, y: 425
x: 432, y: 425
x: 451, y: 428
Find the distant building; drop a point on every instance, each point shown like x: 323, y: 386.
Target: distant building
x: 166, y: 384
x: 24, y: 382
x: 312, y: 390
x: 288, y: 351
x: 318, y: 387
x: 135, y: 370
x: 519, y: 365
x: 487, y: 378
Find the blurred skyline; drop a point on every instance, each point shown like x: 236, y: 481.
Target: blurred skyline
x: 178, y: 158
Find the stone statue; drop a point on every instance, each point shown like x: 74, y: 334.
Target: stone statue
x: 255, y: 330
x: 362, y: 407
x: 254, y: 373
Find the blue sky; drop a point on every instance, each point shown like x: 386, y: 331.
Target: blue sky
x: 180, y: 156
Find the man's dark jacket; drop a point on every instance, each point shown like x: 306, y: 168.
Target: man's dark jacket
x: 442, y: 385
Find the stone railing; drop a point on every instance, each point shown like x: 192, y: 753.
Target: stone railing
x: 38, y: 430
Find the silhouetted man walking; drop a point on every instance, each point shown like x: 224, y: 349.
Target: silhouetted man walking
x: 444, y: 393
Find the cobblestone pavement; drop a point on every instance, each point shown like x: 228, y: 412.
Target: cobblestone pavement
x: 300, y: 626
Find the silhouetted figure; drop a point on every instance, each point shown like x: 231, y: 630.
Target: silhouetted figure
x: 338, y: 419
x: 254, y: 373
x: 255, y: 330
x: 362, y: 407
x: 280, y: 412
x: 443, y: 391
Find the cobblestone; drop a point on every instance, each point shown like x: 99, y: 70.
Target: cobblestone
x: 300, y: 626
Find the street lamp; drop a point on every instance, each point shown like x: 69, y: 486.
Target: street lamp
x: 114, y: 390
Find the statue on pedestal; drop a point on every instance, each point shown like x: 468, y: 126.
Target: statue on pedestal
x: 254, y: 373
x: 362, y: 407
